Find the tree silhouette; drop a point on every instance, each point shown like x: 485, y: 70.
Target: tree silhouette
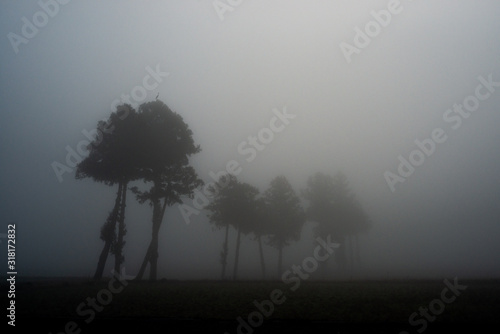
x: 320, y: 194
x: 166, y: 145
x: 336, y: 210
x: 221, y: 215
x: 109, y: 162
x: 234, y: 203
x: 351, y: 218
x: 261, y: 227
x: 284, y: 215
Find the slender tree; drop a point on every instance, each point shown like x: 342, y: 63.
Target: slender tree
x: 285, y: 215
x: 166, y: 145
x: 320, y: 195
x: 109, y: 162
x: 261, y: 228
x: 108, y: 234
x: 350, y: 217
x: 221, y: 215
x: 337, y: 212
x: 234, y: 203
x: 176, y: 183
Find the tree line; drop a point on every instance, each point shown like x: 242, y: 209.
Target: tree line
x: 277, y: 216
x: 153, y: 144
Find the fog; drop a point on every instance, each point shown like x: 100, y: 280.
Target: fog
x: 228, y: 72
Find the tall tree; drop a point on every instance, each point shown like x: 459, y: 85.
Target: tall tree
x: 261, y: 227
x: 109, y: 162
x: 337, y: 212
x: 220, y: 214
x: 284, y: 214
x: 320, y: 195
x: 166, y: 145
x: 234, y: 203
x: 108, y: 234
x: 350, y: 217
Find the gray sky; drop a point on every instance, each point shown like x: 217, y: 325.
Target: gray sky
x: 225, y: 77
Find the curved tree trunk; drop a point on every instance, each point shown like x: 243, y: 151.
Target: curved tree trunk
x: 153, y: 252
x: 107, y: 234
x: 157, y: 220
x: 119, y: 258
x: 224, y: 253
x: 235, y: 271
x: 102, y: 260
x: 151, y: 256
x: 261, y: 252
x: 153, y: 262
x: 144, y: 264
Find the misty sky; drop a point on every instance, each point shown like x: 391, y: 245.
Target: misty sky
x: 225, y: 77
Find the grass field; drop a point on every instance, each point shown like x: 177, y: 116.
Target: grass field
x: 213, y: 306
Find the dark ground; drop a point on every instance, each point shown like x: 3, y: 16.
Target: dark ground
x: 214, y: 307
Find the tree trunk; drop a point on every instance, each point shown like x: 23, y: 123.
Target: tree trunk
x: 235, y: 271
x: 144, y: 264
x: 153, y: 263
x: 157, y: 220
x: 148, y: 258
x: 153, y: 254
x: 261, y: 252
x: 119, y: 258
x: 108, y: 236
x: 102, y: 260
x: 224, y: 253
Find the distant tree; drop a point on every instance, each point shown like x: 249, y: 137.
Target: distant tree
x: 284, y: 215
x: 220, y: 214
x: 336, y: 210
x: 166, y: 145
x: 234, y: 203
x: 320, y: 195
x: 261, y: 228
x: 110, y: 162
x: 351, y: 218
